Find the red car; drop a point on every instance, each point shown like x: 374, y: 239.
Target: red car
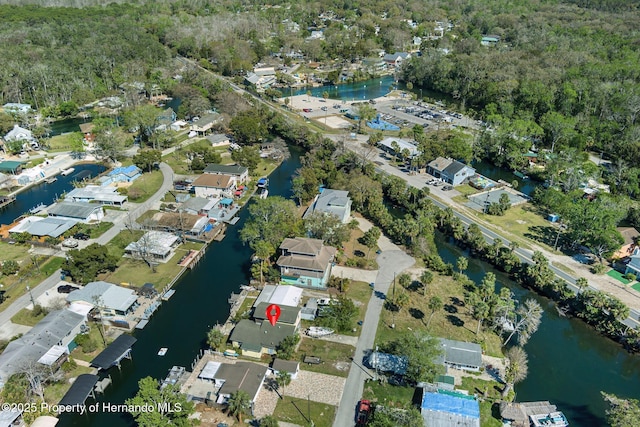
x: 307, y: 110
x: 364, y: 412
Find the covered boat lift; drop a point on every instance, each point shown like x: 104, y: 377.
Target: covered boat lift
x: 115, y: 352
x: 80, y: 390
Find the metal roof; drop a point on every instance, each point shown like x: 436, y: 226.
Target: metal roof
x: 214, y: 168
x: 114, y: 352
x: 7, y: 417
x: 80, y: 390
x: 80, y: 210
x: 450, y: 410
x: 109, y: 295
x: 335, y: 202
x: 461, y: 353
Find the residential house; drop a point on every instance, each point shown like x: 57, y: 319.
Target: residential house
x: 257, y: 336
x: 178, y: 125
x: 310, y: 310
x: 289, y: 366
x: 47, y: 343
x: 197, y: 206
x: 490, y: 40
x: 166, y: 118
x: 305, y: 262
x: 374, y: 64
x: 16, y: 108
x: 331, y: 202
x: 19, y: 134
x: 153, y: 245
x: 218, y: 139
x: 96, y: 194
x: 214, y: 185
x: 79, y: 211
x: 630, y: 236
x: 383, y: 362
x: 179, y: 223
x: 449, y: 409
x: 523, y: 414
x: 396, y: 59
x: 261, y: 78
x: 228, y: 378
x: 123, y: 174
x: 43, y: 227
x: 11, y: 167
x: 461, y: 355
x: 633, y: 266
x: 388, y: 145
x: 450, y: 171
x: 111, y: 300
x: 279, y: 295
x: 87, y: 131
x: 240, y: 173
x: 203, y: 125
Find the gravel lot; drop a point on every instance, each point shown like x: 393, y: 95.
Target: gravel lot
x: 318, y: 387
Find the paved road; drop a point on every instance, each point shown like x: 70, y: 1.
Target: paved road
x: 445, y: 200
x: 51, y: 281
x: 390, y: 262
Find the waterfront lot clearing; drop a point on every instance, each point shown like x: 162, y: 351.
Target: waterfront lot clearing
x: 389, y: 395
x: 59, y: 143
x: 296, y: 411
x: 137, y: 272
x: 493, y: 389
x: 145, y: 186
x: 527, y: 222
x: 454, y: 321
x: 335, y: 357
x: 354, y: 253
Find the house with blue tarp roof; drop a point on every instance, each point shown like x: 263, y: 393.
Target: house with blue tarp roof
x: 449, y: 409
x: 123, y: 174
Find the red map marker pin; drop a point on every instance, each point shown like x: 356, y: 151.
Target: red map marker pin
x: 273, y: 313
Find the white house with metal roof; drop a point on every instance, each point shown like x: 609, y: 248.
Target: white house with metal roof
x: 240, y: 173
x: 450, y: 171
x: 79, y: 211
x: 46, y: 343
x: 333, y: 202
x: 461, y: 355
x: 97, y: 194
x: 39, y: 226
x: 153, y: 245
x: 388, y: 145
x: 112, y: 300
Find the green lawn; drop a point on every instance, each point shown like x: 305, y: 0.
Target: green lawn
x: 298, y: 411
x: 618, y: 276
x: 361, y: 292
x: 60, y: 143
x: 26, y: 317
x: 93, y: 230
x: 145, y: 186
x: 387, y: 394
x: 526, y: 222
x: 54, y: 392
x: 121, y: 240
x: 466, y: 189
x: 493, y: 392
x: 17, y: 285
x: 96, y: 336
x: 330, y: 353
x: 453, y: 322
x: 137, y: 272
x: 636, y: 287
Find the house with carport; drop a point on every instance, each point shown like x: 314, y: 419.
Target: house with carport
x: 78, y: 211
x: 305, y: 262
x: 218, y: 381
x: 111, y: 300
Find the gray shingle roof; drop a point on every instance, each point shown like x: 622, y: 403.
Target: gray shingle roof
x: 330, y: 201
x: 244, y: 376
x: 80, y: 210
x: 225, y: 169
x: 288, y: 314
x: 461, y: 353
x: 248, y: 332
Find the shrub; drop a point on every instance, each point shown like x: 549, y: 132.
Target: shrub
x: 9, y: 267
x: 69, y: 365
x: 630, y: 276
x: 599, y: 269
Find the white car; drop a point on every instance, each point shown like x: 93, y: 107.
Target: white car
x: 70, y: 243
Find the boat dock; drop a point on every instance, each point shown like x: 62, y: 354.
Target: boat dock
x: 191, y: 259
x: 177, y: 376
x: 141, y: 324
x: 36, y: 209
x: 51, y: 180
x: 6, y: 201
x: 168, y: 294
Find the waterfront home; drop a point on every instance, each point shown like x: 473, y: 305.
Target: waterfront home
x: 218, y: 140
x: 396, y: 59
x: 461, y: 355
x: 450, y: 171
x: 290, y: 296
x: 331, y: 202
x: 305, y: 262
x: 388, y: 145
x: 19, y: 134
x: 166, y: 117
x: 525, y: 414
x: 153, y: 245
x: 197, y: 205
x: 96, y: 194
x: 449, y: 409
x: 123, y: 174
x: 180, y: 223
x: 228, y: 378
x: 214, y: 185
x: 388, y: 363
x: 43, y: 227
x: 87, y: 131
x: 205, y: 123
x: 110, y: 299
x: 289, y: 366
x: 288, y: 315
x: 240, y: 173
x: 79, y: 211
x: 48, y: 343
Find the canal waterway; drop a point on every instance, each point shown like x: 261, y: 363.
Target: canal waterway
x: 47, y: 193
x: 495, y: 173
x: 181, y: 324
x: 569, y: 364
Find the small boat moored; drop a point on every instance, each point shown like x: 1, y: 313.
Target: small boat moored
x: 163, y: 351
x: 67, y: 171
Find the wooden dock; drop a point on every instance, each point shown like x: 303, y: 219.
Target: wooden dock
x: 191, y: 259
x: 6, y: 201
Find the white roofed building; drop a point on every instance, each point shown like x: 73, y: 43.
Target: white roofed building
x: 113, y: 300
x: 97, y: 194
x: 153, y: 245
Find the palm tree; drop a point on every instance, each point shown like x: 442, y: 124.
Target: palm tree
x: 462, y: 263
x: 426, y: 278
x: 283, y: 379
x: 582, y: 284
x: 517, y: 370
x: 238, y: 404
x: 405, y: 280
x: 268, y: 421
x: 215, y: 338
x: 435, y: 304
x: 264, y: 251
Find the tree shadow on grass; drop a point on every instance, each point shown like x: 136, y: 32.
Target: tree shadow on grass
x: 450, y: 308
x: 455, y: 320
x: 416, y: 313
x: 543, y: 234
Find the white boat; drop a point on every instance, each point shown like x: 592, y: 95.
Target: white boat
x: 50, y: 180
x: 163, y: 351
x: 67, y: 171
x: 317, y: 332
x: 554, y: 419
x: 264, y: 194
x: 168, y: 294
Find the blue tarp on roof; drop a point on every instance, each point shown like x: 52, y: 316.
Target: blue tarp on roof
x: 226, y: 202
x: 449, y: 403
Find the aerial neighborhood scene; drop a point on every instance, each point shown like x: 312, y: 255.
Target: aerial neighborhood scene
x: 332, y: 214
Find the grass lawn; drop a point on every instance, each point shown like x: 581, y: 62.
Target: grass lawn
x: 636, y: 287
x: 117, y: 244
x: 329, y: 352
x: 93, y: 230
x: 527, y: 222
x: 466, y: 189
x: 618, y: 276
x: 142, y: 219
x: 137, y: 272
x: 17, y: 285
x: 387, y: 394
x: 54, y: 392
x: 94, y: 333
x: 145, y: 186
x: 360, y: 292
x: 493, y: 390
x: 355, y: 253
x: 60, y: 143
x: 26, y: 317
x: 453, y: 322
x: 297, y: 411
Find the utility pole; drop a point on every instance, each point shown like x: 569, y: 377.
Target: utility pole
x: 33, y: 303
x: 393, y: 312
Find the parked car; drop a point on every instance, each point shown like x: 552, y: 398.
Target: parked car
x: 66, y: 289
x: 70, y: 243
x: 307, y: 110
x: 81, y: 236
x: 447, y: 188
x: 364, y: 412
